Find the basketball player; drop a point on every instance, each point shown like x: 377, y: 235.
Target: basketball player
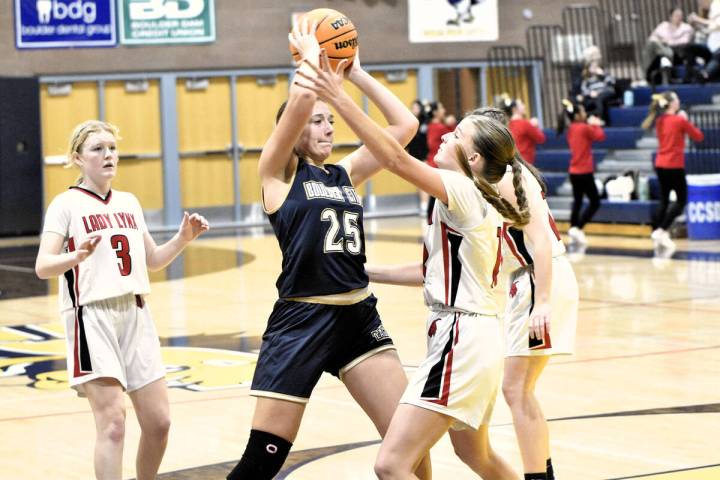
x: 325, y: 319
x: 541, y: 292
x: 456, y: 385
x: 96, y: 240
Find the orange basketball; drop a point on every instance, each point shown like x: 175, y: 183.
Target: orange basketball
x: 335, y: 33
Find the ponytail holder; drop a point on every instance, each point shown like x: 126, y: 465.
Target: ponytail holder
x: 506, y: 99
x: 660, y: 99
x: 569, y: 107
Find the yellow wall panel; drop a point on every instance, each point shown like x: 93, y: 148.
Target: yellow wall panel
x: 57, y: 180
x: 60, y: 115
x: 143, y: 178
x: 343, y: 133
x: 137, y: 115
x: 406, y: 91
x: 386, y: 183
x: 206, y: 181
x: 249, y: 180
x: 204, y: 116
x: 257, y: 106
x: 511, y: 81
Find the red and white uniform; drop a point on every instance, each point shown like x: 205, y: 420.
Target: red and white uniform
x: 518, y: 255
x: 671, y: 130
x: 109, y: 329
x: 461, y: 373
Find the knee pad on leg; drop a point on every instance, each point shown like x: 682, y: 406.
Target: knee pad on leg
x: 263, y: 458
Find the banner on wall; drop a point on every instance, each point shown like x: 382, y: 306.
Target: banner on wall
x: 452, y: 21
x: 65, y: 23
x: 144, y: 22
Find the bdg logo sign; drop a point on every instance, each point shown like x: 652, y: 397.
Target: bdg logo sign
x: 65, y: 23
x: 166, y: 21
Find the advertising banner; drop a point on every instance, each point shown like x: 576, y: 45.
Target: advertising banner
x: 144, y: 22
x: 452, y: 21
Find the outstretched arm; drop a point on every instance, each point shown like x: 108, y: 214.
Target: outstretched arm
x: 410, y: 274
x: 160, y: 256
x: 402, y: 124
x: 381, y: 144
x: 277, y: 153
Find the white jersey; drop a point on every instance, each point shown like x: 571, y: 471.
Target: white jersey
x: 462, y: 249
x: 117, y: 267
x: 517, y: 247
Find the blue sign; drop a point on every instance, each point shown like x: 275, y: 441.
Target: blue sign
x: 65, y: 23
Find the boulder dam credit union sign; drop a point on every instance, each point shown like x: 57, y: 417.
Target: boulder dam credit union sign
x: 166, y: 21
x: 65, y: 23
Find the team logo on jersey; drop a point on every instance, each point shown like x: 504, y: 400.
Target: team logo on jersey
x: 315, y: 190
x: 38, y: 354
x: 380, y: 333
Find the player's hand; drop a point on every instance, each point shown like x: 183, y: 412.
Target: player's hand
x: 192, y: 226
x: 540, y: 321
x: 596, y: 121
x: 302, y: 37
x: 683, y: 114
x: 87, y: 247
x: 534, y: 122
x: 355, y: 69
x: 327, y: 83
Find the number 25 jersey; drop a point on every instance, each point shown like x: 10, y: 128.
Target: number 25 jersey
x: 319, y: 227
x: 117, y: 267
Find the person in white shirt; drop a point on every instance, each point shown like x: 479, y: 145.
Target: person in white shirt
x: 96, y: 240
x: 456, y: 385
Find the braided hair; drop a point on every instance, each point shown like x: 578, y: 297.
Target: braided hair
x: 494, y: 142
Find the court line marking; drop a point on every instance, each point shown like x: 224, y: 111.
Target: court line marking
x: 13, y: 268
x: 645, y: 475
x: 636, y: 355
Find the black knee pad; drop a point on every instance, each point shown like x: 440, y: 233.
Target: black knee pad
x: 263, y: 458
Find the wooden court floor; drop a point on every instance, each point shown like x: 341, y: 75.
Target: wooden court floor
x: 640, y: 399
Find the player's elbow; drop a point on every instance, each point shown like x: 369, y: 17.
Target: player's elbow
x: 41, y: 272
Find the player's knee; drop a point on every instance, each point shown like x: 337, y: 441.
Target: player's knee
x: 114, y: 426
x: 387, y: 467
x: 513, y: 392
x: 263, y: 458
x: 158, y: 428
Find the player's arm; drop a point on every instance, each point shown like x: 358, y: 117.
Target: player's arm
x: 158, y: 257
x: 410, y: 274
x: 402, y: 124
x: 381, y: 144
x: 542, y: 249
x: 277, y: 152
x: 51, y: 262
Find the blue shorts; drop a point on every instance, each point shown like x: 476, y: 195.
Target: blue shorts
x: 302, y: 340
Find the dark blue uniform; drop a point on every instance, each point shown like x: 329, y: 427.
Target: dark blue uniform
x: 320, y: 231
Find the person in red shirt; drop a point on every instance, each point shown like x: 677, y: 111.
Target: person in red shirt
x: 581, y: 134
x: 671, y: 126
x: 526, y: 133
x: 439, y: 125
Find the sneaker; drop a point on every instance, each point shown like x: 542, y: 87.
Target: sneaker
x: 657, y: 234
x: 581, y: 237
x: 667, y: 243
x: 573, y: 233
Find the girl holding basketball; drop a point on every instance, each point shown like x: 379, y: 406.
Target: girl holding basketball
x: 456, y: 385
x: 325, y: 319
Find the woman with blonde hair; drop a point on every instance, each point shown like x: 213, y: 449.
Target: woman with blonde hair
x: 96, y: 240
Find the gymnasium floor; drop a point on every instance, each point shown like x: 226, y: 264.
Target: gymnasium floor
x: 640, y: 399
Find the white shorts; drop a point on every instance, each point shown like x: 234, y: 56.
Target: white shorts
x: 563, y: 318
x: 462, y: 371
x: 113, y: 338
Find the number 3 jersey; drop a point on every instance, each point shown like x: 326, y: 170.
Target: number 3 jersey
x: 117, y: 267
x: 462, y: 255
x: 319, y: 228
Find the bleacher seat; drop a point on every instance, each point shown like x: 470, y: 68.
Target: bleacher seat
x: 617, y: 138
x: 553, y: 180
x: 690, y: 94
x: 627, y: 116
x: 559, y: 160
x: 635, y: 211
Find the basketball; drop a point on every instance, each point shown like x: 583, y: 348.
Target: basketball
x: 335, y: 33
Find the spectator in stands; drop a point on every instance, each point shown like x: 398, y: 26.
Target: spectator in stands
x: 671, y: 126
x: 711, y: 27
x: 590, y: 54
x: 526, y: 133
x: 418, y: 146
x: 597, y: 89
x: 671, y: 43
x: 439, y: 125
x: 581, y: 133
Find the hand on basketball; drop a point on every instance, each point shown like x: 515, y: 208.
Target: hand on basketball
x: 540, y: 321
x: 354, y: 69
x: 192, y: 226
x: 302, y: 37
x: 327, y: 83
x: 87, y: 247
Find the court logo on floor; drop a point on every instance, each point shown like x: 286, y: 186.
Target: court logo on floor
x: 35, y: 356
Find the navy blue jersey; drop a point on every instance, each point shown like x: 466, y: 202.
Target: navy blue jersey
x: 320, y: 231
